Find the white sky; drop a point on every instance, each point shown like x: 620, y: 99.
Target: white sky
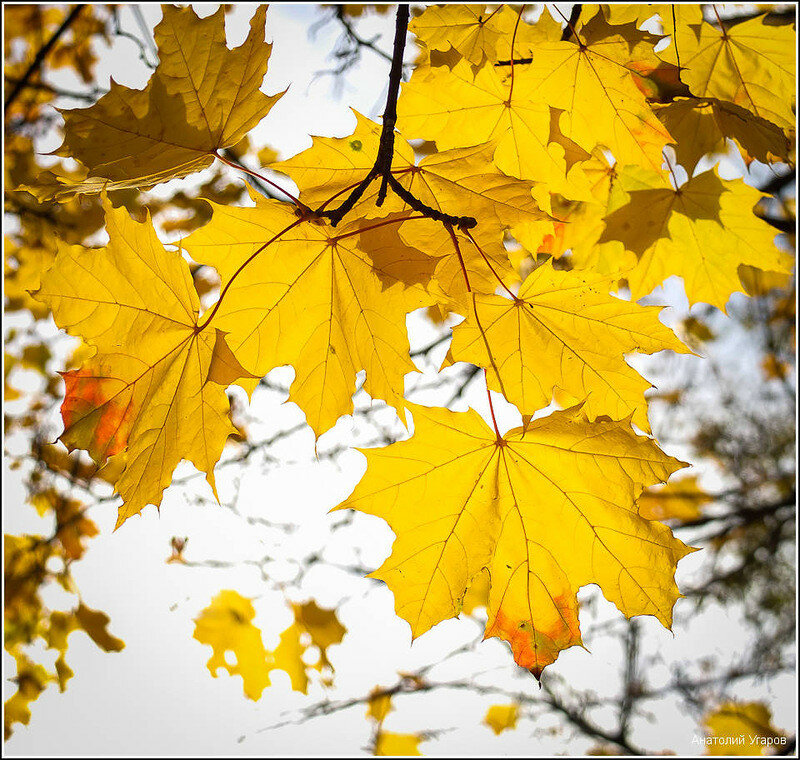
x: 157, y: 697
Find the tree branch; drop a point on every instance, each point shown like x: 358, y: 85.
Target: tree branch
x: 36, y: 63
x: 382, y: 167
x: 574, y: 15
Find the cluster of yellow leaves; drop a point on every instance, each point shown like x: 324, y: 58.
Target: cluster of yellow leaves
x: 26, y: 28
x: 388, y: 743
x: 742, y: 728
x: 30, y: 564
x: 559, y: 142
x: 227, y: 626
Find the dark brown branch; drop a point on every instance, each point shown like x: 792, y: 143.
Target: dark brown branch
x: 383, y: 162
x: 569, y: 29
x: 386, y: 147
x: 89, y: 97
x: 36, y: 63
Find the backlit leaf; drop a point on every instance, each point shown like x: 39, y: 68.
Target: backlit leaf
x: 547, y: 510
x: 201, y: 97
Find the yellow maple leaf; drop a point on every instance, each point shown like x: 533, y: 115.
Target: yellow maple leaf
x: 547, y: 510
x: 579, y: 335
x: 333, y: 166
x: 472, y: 30
x: 152, y: 389
x: 751, y: 64
x: 202, y: 97
x: 701, y: 126
x: 389, y: 744
x: 681, y: 500
x: 701, y: 231
x: 313, y: 299
x: 227, y: 625
x: 593, y: 84
x: 460, y: 182
x: 742, y: 729
x: 458, y: 109
x: 379, y: 705
x: 322, y: 626
x: 31, y: 680
x: 502, y: 717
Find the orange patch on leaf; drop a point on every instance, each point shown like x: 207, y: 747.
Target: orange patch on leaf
x: 535, y: 648
x: 97, y: 411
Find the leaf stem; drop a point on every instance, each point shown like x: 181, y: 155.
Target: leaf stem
x: 513, y: 42
x: 449, y: 228
x: 236, y: 165
x: 489, y: 264
x: 491, y: 406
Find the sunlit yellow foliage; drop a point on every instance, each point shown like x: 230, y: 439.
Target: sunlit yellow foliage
x: 702, y: 231
x: 580, y: 335
x: 569, y: 483
x: 751, y: 64
x: 315, y: 300
x: 742, y: 729
x: 502, y: 717
x: 150, y: 390
x: 227, y: 626
x: 189, y: 110
x: 538, y: 143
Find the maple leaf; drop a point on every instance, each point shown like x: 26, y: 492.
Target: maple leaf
x: 389, y: 744
x: 379, y: 705
x: 579, y: 335
x: 701, y: 126
x: 472, y: 30
x: 334, y: 165
x: 463, y: 179
x: 502, y: 717
x: 227, y: 625
x: 702, y: 231
x: 31, y: 680
x: 312, y: 299
x: 593, y: 84
x: 681, y: 500
x: 458, y: 109
x: 733, y: 721
x: 202, y: 97
x: 751, y: 64
x: 547, y: 510
x: 150, y: 390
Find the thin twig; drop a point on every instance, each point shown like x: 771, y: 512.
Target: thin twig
x: 38, y: 60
